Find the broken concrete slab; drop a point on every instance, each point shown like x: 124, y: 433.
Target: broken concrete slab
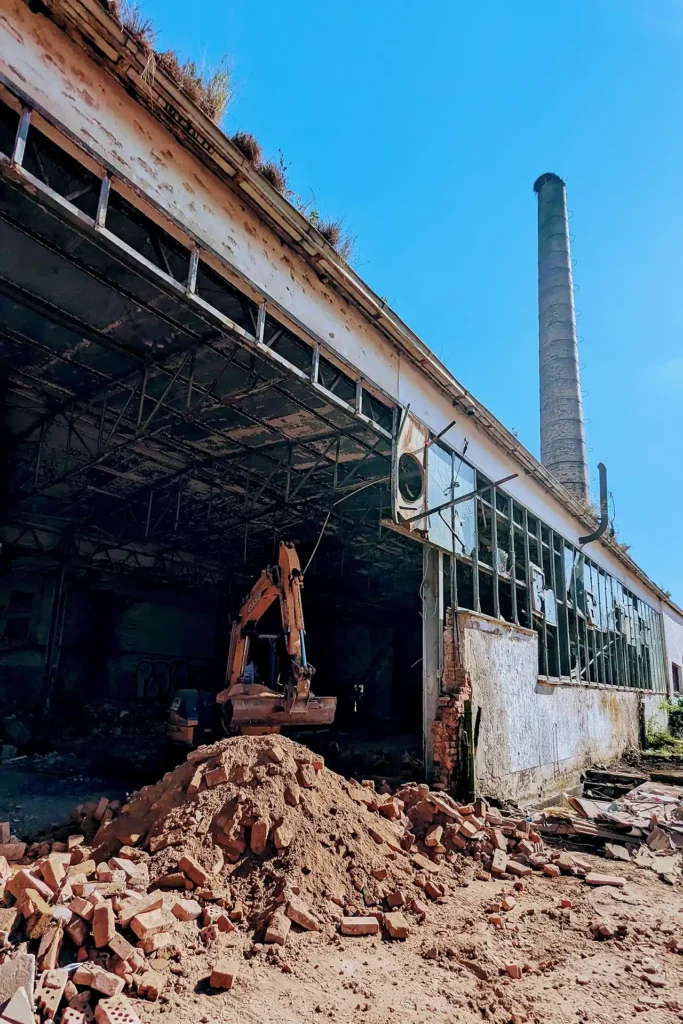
x: 16, y: 972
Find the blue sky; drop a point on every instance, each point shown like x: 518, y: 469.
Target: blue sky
x: 424, y: 127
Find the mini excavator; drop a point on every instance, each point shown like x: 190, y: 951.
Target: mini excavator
x: 246, y: 704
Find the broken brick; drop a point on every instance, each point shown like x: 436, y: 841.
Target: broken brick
x: 360, y: 926
x: 305, y: 776
x: 193, y: 869
x: 298, y: 912
x: 216, y: 777
x: 117, y: 1010
x: 152, y: 921
x: 105, y: 982
x: 121, y: 946
x: 259, y: 836
x: 224, y: 974
x: 103, y: 924
x: 396, y: 925
x: 49, y: 992
x: 150, y: 985
x: 278, y: 928
x: 515, y: 868
x: 595, y: 878
x: 391, y: 809
x: 186, y: 910
x: 282, y: 837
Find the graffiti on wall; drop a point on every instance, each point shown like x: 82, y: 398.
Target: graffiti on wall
x: 157, y: 679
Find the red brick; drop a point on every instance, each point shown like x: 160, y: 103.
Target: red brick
x: 298, y: 912
x: 433, y: 890
x: 99, y: 811
x: 468, y: 829
x: 396, y: 898
x: 160, y: 940
x: 278, y: 928
x: 396, y: 925
x: 292, y: 794
x: 77, y: 930
x: 134, y: 906
x: 71, y: 1016
x: 433, y: 836
x: 105, y: 982
x: 148, y: 924
x: 499, y: 863
x: 508, y: 903
x: 595, y: 878
x: 54, y: 872
x: 259, y: 836
x: 122, y: 947
x: 515, y: 868
x: 513, y: 971
x: 224, y: 974
x: 282, y: 837
x: 195, y: 782
x: 306, y: 775
x: 276, y: 753
x: 25, y: 880
x: 193, y: 869
x: 115, y: 1011
x: 103, y: 924
x: 391, y: 809
x: 360, y: 926
x: 424, y: 864
x: 498, y: 840
x: 216, y: 777
x: 186, y: 910
x: 551, y: 870
x: 419, y: 909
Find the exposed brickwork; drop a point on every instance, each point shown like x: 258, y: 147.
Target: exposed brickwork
x: 456, y: 689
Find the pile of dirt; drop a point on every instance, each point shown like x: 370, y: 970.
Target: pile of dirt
x: 247, y: 838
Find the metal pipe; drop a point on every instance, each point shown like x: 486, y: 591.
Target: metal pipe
x: 457, y: 501
x: 604, y: 508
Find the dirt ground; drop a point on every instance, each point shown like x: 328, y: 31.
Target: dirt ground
x: 451, y: 968
x: 434, y: 975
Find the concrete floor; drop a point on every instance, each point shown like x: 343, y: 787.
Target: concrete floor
x: 35, y: 795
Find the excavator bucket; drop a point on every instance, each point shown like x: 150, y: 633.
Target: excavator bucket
x: 269, y: 709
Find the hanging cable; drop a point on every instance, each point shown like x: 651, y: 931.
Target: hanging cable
x: 364, y: 487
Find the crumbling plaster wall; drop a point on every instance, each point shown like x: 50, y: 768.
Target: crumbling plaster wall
x: 42, y: 61
x: 534, y: 738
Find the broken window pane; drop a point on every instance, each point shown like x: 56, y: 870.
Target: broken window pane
x: 439, y: 491
x: 537, y: 588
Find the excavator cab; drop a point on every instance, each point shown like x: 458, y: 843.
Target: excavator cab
x: 262, y: 697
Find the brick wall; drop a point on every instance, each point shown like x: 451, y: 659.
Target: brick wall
x: 455, y: 690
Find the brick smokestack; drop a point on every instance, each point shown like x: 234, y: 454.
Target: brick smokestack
x: 563, y: 438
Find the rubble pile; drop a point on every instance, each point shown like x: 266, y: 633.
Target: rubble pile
x: 248, y: 838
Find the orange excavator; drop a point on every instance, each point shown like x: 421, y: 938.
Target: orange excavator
x: 247, y: 704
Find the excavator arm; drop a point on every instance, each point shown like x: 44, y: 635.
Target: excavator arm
x: 249, y: 705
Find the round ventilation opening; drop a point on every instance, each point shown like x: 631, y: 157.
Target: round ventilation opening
x: 410, y: 478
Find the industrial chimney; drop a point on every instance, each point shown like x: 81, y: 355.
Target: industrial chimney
x: 563, y: 439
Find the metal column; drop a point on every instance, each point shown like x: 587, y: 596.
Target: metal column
x: 432, y: 646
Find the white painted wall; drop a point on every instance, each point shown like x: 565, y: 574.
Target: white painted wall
x: 40, y: 60
x: 535, y: 738
x: 673, y: 643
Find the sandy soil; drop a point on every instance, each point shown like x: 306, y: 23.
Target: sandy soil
x: 568, y: 975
